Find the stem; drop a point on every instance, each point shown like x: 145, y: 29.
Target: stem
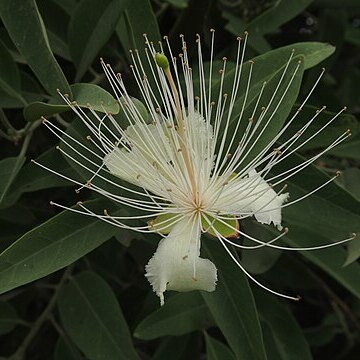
x: 5, y: 136
x: 21, y: 351
x: 6, y: 122
x: 29, y: 131
x: 341, y: 304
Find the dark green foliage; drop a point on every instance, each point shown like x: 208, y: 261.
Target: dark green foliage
x: 72, y: 286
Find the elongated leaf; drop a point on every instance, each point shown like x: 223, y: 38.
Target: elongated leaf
x: 93, y: 319
x: 233, y: 307
x: 181, y: 314
x: 330, y: 260
x: 279, y: 95
x: 289, y: 339
x: 280, y: 13
x: 10, y: 75
x: 28, y: 33
x: 32, y: 178
x: 53, y: 245
x: 56, y: 21
x: 130, y: 34
x: 349, y: 149
x: 350, y: 180
x: 90, y: 28
x: 329, y: 215
x: 8, y: 170
x: 84, y: 95
x: 66, y: 351
x: 340, y: 125
x: 353, y: 251
x: 178, y: 348
x: 237, y: 26
x: 216, y: 350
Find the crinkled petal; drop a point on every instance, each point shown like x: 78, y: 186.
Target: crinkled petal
x: 252, y: 195
x: 122, y: 163
x: 176, y: 264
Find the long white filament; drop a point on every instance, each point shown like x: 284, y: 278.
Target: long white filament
x: 184, y: 172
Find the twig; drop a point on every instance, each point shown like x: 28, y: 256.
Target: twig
x: 20, y: 352
x: 341, y: 304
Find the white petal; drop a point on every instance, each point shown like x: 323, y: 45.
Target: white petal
x: 252, y: 195
x: 123, y: 164
x: 177, y: 256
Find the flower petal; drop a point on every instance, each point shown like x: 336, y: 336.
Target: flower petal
x: 176, y: 264
x: 252, y: 195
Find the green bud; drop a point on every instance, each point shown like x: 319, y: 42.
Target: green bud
x: 162, y: 61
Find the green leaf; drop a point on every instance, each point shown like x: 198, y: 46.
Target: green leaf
x: 258, y: 261
x: 186, y: 346
x: 93, y: 318
x: 56, y: 22
x: 131, y: 35
x: 64, y: 350
x: 269, y: 68
x: 84, y: 95
x: 28, y: 33
x: 237, y: 26
x: 33, y: 178
x: 287, y: 334
x: 181, y: 4
x: 353, y: 251
x: 216, y: 350
x: 91, y: 26
x: 328, y: 215
x: 330, y: 260
x: 349, y: 149
x: 8, y: 318
x: 53, y: 245
x: 350, y: 180
x: 340, y: 125
x: 278, y: 14
x: 10, y: 75
x: 9, y: 168
x: 232, y: 305
x: 181, y: 314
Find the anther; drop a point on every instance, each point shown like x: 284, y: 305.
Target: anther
x: 338, y: 173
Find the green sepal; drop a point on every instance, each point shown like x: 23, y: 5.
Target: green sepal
x: 224, y: 227
x: 163, y: 224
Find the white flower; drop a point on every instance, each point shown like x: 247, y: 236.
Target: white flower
x: 187, y: 181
